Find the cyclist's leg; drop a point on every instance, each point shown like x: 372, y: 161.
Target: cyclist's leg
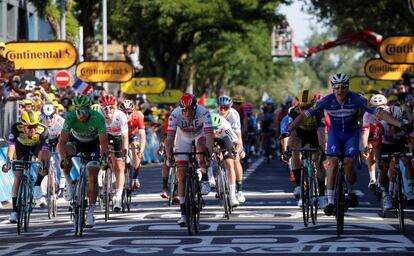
x: 229, y: 157
x: 371, y: 165
x: 295, y: 142
x: 43, y: 156
x: 92, y: 167
x: 181, y: 163
x: 119, y: 170
x: 136, y: 161
x: 409, y: 175
x: 351, y: 153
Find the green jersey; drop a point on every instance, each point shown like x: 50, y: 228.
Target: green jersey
x: 87, y: 131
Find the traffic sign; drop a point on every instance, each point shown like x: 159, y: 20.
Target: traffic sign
x: 380, y: 70
x: 104, y: 71
x: 63, y: 78
x: 140, y: 85
x: 41, y: 55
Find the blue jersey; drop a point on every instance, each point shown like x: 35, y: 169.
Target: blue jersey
x: 343, y: 117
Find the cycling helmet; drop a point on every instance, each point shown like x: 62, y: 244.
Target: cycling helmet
x: 48, y: 110
x: 378, y: 100
x: 96, y: 107
x: 395, y: 112
x: 288, y: 99
x: 187, y: 100
x: 238, y: 100
x: 224, y: 101
x: 269, y: 101
x: 107, y: 100
x: 339, y: 78
x: 29, y: 117
x: 215, y: 120
x: 305, y: 98
x: 127, y: 105
x: 81, y: 101
x: 2, y: 45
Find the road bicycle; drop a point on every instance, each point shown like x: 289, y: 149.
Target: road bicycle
x: 52, y: 185
x: 398, y: 197
x: 25, y: 202
x: 309, y: 185
x: 223, y: 190
x: 172, y: 185
x: 340, y: 197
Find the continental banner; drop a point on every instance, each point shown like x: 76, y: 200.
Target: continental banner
x: 104, y: 71
x: 168, y: 96
x: 377, y: 69
x: 368, y: 87
x: 397, y: 49
x: 41, y: 55
x: 147, y: 85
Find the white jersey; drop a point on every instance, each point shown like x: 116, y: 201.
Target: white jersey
x: 54, y: 130
x: 234, y: 119
x: 119, y: 125
x: 200, y: 125
x: 225, y: 130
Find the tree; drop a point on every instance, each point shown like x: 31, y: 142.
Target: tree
x: 168, y: 30
x: 49, y: 11
x: 386, y: 17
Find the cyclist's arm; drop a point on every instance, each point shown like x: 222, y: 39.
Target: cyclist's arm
x: 10, y: 152
x: 378, y: 134
x: 63, y: 139
x: 103, y: 143
x: 142, y: 139
x: 387, y: 117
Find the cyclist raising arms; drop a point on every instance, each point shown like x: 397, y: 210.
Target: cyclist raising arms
x: 343, y: 137
x: 83, y: 131
x: 117, y: 128
x: 186, y: 123
x: 230, y: 114
x: 136, y: 136
x: 26, y: 136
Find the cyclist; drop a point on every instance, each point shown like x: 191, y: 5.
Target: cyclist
x: 54, y: 124
x: 343, y: 137
x: 369, y: 121
x: 26, y: 137
x: 249, y: 129
x: 309, y: 132
x: 230, y: 114
x: 117, y: 129
x: 186, y: 123
x: 226, y: 139
x: 83, y: 131
x: 136, y: 136
x: 267, y: 119
x: 390, y: 139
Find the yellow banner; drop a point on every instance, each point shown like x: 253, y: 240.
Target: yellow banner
x: 397, y: 49
x: 168, y: 96
x: 104, y: 71
x: 148, y: 85
x: 380, y: 70
x: 35, y: 55
x: 368, y: 87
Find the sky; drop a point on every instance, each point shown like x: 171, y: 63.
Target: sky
x: 299, y: 20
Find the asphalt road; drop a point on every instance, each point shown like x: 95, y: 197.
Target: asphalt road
x: 270, y: 222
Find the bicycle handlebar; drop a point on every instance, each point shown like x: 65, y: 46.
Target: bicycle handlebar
x: 397, y: 154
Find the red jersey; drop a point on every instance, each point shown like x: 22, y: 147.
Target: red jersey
x: 135, y: 123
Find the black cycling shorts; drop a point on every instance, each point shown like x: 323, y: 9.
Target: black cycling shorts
x: 116, y: 143
x: 226, y: 144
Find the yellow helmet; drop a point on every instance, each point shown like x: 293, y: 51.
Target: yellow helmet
x: 60, y: 107
x: 305, y: 98
x: 52, y: 96
x: 29, y: 117
x: 2, y: 45
x: 28, y: 102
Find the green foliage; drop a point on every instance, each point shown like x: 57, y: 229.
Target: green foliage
x: 50, y: 12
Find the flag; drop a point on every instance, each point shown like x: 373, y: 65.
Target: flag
x: 81, y: 86
x: 202, y: 100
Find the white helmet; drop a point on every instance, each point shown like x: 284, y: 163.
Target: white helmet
x: 378, y: 100
x: 339, y: 78
x: 395, y: 112
x: 48, y: 110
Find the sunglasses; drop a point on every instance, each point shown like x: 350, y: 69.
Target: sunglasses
x: 106, y: 108
x: 48, y: 117
x: 305, y: 107
x: 128, y: 113
x: 343, y: 86
x: 30, y: 127
x: 82, y: 112
x: 223, y: 108
x: 187, y: 110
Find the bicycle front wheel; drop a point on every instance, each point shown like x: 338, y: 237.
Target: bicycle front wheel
x: 107, y: 190
x: 314, y: 202
x: 171, y: 185
x: 28, y: 208
x: 223, y: 196
x: 21, y: 204
x: 340, y: 204
x: 400, y: 198
x: 305, y: 196
x: 82, y: 205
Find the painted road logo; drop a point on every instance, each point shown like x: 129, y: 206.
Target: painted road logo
x: 397, y: 49
x: 104, y: 71
x: 40, y: 55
